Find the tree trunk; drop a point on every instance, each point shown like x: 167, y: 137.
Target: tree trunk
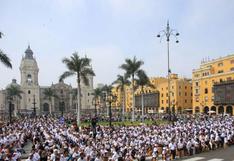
x: 78, y: 100
x: 142, y: 104
x: 133, y: 99
x: 10, y: 111
x: 123, y: 105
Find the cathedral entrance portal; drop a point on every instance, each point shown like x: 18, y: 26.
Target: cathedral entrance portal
x: 46, y: 107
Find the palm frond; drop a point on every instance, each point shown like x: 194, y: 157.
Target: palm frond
x: 107, y: 88
x: 85, y: 62
x: 14, y: 90
x: 5, y: 59
x: 65, y: 75
x: 131, y: 66
x: 49, y: 93
x: 1, y: 34
x: 85, y: 79
x: 143, y: 80
x: 97, y: 93
x: 87, y: 71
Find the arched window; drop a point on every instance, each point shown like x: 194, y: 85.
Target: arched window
x: 29, y: 78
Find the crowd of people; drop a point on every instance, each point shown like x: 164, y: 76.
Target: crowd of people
x: 56, y: 141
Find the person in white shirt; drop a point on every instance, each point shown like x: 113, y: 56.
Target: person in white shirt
x: 172, y: 147
x: 36, y: 156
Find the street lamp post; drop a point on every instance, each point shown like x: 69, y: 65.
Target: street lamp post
x: 34, y: 106
x: 168, y: 32
x: 95, y: 106
x: 10, y: 110
x: 110, y: 113
x: 110, y: 98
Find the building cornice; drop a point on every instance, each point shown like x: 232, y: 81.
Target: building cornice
x: 215, y: 75
x: 217, y: 60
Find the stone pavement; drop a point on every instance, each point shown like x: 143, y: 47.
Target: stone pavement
x: 27, y: 148
x: 216, y: 155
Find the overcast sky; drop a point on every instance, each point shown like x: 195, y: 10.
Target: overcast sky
x: 108, y: 31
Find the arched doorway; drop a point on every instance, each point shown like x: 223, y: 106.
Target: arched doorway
x: 221, y: 110
x: 213, y: 108
x: 46, y: 107
x: 61, y: 107
x: 197, y: 109
x: 229, y: 110
x: 206, y: 110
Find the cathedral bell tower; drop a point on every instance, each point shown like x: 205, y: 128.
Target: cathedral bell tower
x: 29, y: 81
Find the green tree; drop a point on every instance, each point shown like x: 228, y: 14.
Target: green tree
x: 143, y: 81
x: 3, y: 57
x: 131, y: 68
x: 13, y: 92
x: 121, y: 82
x: 81, y: 68
x: 49, y: 94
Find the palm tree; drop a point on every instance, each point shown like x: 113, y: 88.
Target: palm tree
x: 81, y: 68
x: 49, y: 94
x: 3, y: 57
x: 97, y: 93
x: 143, y: 81
x: 131, y: 68
x: 122, y: 82
x: 13, y: 92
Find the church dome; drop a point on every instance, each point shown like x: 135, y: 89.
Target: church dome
x: 28, y: 61
x: 29, y: 53
x: 13, y: 83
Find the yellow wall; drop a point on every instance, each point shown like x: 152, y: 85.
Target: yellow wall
x: 180, y: 87
x: 210, y: 72
x: 181, y: 93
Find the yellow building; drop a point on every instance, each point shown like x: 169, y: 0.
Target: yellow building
x: 209, y: 73
x: 119, y: 99
x: 181, y: 93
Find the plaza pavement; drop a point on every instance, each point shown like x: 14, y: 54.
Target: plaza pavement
x: 27, y: 149
x: 216, y: 155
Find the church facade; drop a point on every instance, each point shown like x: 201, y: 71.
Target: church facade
x: 33, y: 94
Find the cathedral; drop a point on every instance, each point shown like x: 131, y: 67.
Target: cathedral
x: 33, y: 94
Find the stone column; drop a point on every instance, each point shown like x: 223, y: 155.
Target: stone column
x: 225, y: 109
x: 52, y: 104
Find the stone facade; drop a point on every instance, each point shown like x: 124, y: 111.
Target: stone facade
x: 34, y: 93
